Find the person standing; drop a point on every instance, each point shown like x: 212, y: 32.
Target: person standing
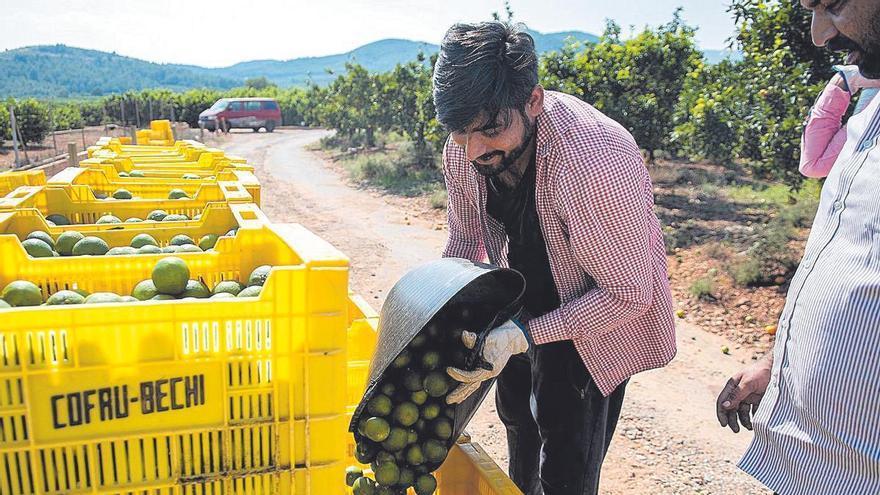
x: 544, y: 183
x: 814, y: 400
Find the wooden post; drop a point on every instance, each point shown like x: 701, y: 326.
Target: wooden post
x: 133, y: 132
x: 122, y: 110
x: 150, y: 108
x: 16, y: 161
x: 71, y: 155
x: 54, y: 143
x: 137, y: 114
x: 83, y: 132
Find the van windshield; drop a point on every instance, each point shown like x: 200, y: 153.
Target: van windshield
x: 219, y: 105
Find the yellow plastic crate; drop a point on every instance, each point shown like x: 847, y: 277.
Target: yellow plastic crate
x: 217, y: 218
x: 159, y: 134
x: 209, y: 159
x: 10, y: 181
x: 243, y: 396
x: 122, y: 145
x: 80, y: 205
x: 106, y: 181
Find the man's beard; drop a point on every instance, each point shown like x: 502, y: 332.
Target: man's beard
x: 507, y: 159
x: 866, y: 57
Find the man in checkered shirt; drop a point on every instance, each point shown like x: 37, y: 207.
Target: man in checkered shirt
x: 544, y: 183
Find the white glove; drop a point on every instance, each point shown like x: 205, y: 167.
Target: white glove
x: 503, y: 341
x: 853, y: 78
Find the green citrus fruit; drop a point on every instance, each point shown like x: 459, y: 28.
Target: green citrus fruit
x: 228, y: 287
x: 102, y: 298
x: 36, y: 248
x: 171, y: 275
x: 379, y: 405
x: 426, y: 485
x: 90, y: 245
x: 259, y: 275
x: 66, y: 241
x: 352, y: 473
x: 197, y: 289
x: 442, y: 428
x: 157, y: 215
x: 63, y: 297
x: 108, y: 219
x: 251, y: 291
x: 177, y: 194
x: 142, y: 240
x: 144, y: 290
x: 406, y: 414
x: 149, y: 249
x: 388, y: 474
x: 43, y: 236
x: 436, y: 384
x: 122, y: 194
x: 58, y: 219
x: 377, y: 429
x: 208, y: 242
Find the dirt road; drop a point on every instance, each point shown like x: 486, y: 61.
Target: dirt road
x: 667, y: 442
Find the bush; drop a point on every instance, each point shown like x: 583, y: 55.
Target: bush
x: 4, y: 123
x: 746, y: 272
x: 66, y: 116
x: 703, y: 288
x: 438, y: 199
x: 33, y: 120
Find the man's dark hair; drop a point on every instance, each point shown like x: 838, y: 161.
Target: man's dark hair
x: 488, y: 68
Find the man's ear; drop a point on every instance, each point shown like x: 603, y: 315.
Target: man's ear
x: 535, y: 105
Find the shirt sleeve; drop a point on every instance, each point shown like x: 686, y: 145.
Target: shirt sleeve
x: 465, y: 239
x: 823, y: 137
x: 607, y: 204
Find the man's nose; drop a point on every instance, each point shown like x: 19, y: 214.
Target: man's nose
x: 475, y: 148
x: 822, y: 29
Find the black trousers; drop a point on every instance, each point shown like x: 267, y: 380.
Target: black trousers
x: 558, y: 424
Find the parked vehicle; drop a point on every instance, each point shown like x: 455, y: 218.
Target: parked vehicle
x: 242, y: 113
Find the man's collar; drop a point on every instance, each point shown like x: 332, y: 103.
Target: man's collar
x: 546, y: 126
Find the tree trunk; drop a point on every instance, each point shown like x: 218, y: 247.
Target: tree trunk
x: 371, y: 138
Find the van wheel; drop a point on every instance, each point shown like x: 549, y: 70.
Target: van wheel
x: 270, y: 127
x: 256, y: 129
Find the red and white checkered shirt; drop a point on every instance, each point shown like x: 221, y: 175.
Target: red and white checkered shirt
x: 595, y: 203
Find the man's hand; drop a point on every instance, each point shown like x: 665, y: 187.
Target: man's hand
x: 502, y: 342
x: 742, y: 394
x: 849, y: 78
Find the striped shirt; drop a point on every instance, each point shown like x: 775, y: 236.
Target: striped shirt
x: 594, y: 201
x: 817, y: 431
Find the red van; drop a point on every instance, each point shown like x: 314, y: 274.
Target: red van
x: 242, y: 113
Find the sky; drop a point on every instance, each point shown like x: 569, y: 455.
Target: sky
x: 218, y: 33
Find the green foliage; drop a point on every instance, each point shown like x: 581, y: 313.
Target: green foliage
x: 703, y: 288
x: 710, y: 113
x: 781, y: 74
x: 66, y: 116
x: 4, y: 122
x: 438, y: 199
x: 258, y: 83
x: 636, y: 82
x: 33, y: 120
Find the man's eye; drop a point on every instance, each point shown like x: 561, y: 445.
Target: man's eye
x: 834, y: 7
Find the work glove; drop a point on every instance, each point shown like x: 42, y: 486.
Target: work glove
x: 853, y: 79
x: 504, y: 341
